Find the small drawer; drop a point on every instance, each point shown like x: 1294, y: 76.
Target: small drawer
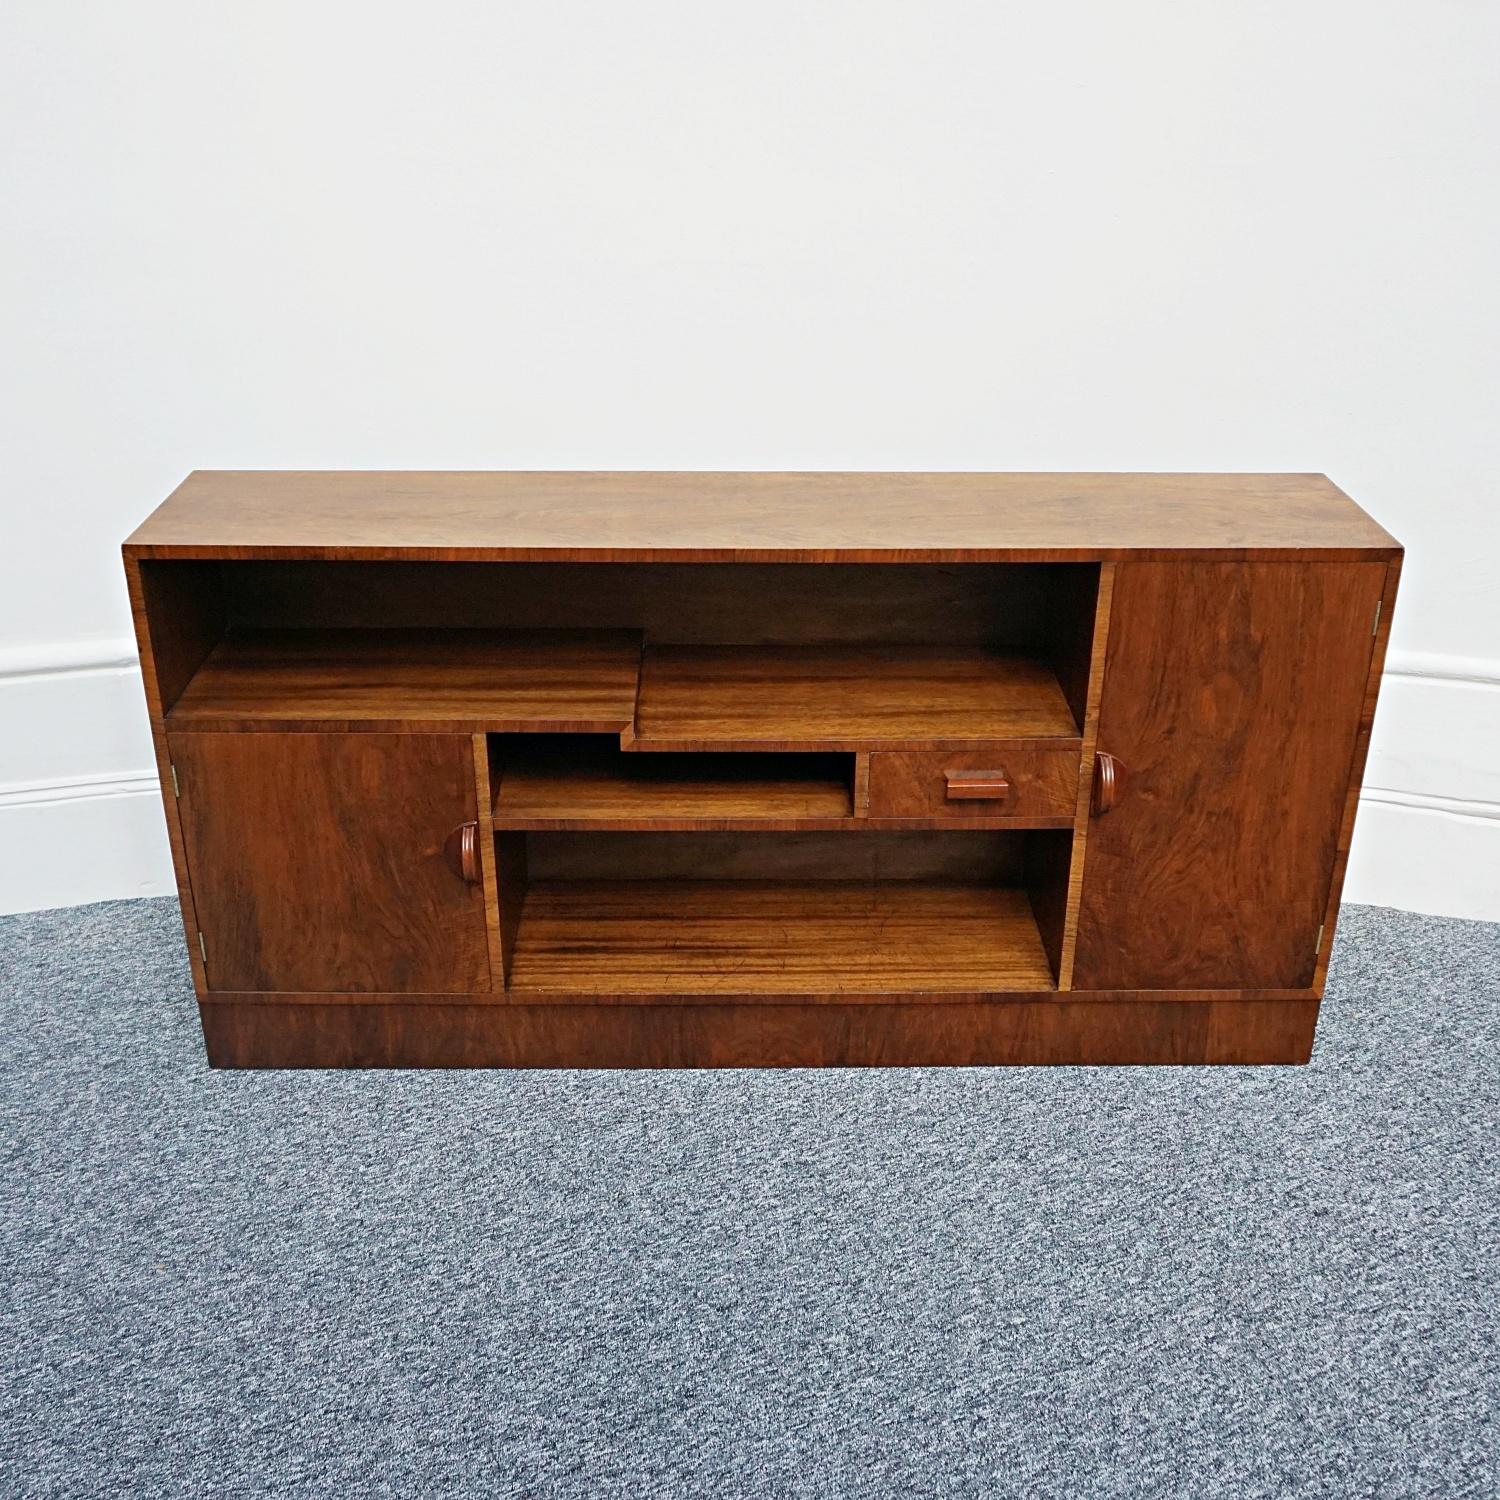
x: 979, y: 781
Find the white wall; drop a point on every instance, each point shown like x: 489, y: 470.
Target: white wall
x: 1237, y: 235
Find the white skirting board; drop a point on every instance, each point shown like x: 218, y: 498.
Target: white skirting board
x: 80, y: 811
x: 1429, y: 858
x: 81, y: 819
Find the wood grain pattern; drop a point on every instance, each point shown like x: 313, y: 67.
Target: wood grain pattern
x: 316, y: 861
x: 489, y: 872
x: 1089, y: 1033
x: 151, y: 681
x: 556, y: 782
x: 512, y: 875
x: 693, y: 604
x: 1045, y: 875
x: 578, y: 783
x: 1068, y: 641
x: 774, y: 937
x: 1232, y: 695
x: 1069, y: 868
x: 865, y: 997
x: 951, y: 614
x: 843, y: 698
x: 179, y: 616
x: 808, y: 517
x: 914, y: 784
x: 176, y: 840
x: 952, y: 855
x: 1357, y: 770
x: 416, y: 681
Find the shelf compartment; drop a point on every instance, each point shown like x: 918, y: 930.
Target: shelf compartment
x: 839, y: 697
x: 627, y: 939
x: 586, y: 782
x: 416, y: 680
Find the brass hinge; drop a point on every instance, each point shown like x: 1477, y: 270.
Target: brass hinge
x: 202, y: 946
x: 1318, y: 946
x: 176, y: 790
x: 1375, y: 628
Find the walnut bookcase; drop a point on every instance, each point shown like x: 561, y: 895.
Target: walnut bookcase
x: 759, y: 769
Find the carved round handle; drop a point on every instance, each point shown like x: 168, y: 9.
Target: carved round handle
x: 1109, y: 778
x: 461, y: 850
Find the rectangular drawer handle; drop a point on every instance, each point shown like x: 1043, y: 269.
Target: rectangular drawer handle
x: 989, y: 786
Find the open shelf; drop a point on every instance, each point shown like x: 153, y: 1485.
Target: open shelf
x: 746, y: 698
x: 570, y: 782
x: 604, y: 938
x: 581, y: 681
x: 839, y: 697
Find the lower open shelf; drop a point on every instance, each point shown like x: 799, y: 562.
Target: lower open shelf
x: 677, y: 937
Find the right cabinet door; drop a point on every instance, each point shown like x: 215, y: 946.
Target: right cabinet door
x: 1232, y: 701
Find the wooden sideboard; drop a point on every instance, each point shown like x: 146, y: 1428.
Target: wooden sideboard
x: 697, y: 770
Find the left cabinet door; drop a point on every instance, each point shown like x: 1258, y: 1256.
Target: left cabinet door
x: 316, y: 861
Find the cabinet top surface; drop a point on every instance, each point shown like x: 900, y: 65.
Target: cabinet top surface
x: 754, y: 517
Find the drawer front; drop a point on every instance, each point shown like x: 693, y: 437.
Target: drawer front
x: 979, y: 781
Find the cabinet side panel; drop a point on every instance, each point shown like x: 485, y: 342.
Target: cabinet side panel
x: 1357, y: 769
x: 317, y: 861
x: 1073, y: 610
x: 1072, y: 895
x: 490, y: 875
x: 141, y: 598
x: 179, y: 615
x: 1232, y: 699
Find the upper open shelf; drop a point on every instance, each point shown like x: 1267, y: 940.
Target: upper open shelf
x: 574, y: 681
x: 843, y: 697
x: 813, y: 697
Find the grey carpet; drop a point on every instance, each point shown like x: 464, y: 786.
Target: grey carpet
x: 1068, y: 1282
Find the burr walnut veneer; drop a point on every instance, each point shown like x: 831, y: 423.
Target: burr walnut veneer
x: 658, y: 770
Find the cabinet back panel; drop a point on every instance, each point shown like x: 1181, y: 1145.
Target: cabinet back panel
x: 682, y: 604
x: 865, y: 855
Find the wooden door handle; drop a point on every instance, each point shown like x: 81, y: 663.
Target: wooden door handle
x: 461, y: 850
x: 1109, y: 779
x: 988, y: 786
